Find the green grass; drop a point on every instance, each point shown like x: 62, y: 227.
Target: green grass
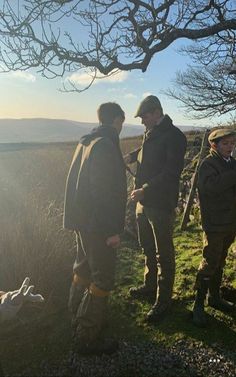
x: 178, y: 324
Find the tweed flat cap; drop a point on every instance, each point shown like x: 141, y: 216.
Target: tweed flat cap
x: 149, y: 103
x: 220, y: 133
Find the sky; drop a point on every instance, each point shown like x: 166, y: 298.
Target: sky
x: 29, y: 95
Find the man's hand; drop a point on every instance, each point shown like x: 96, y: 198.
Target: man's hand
x: 11, y: 302
x: 113, y: 241
x: 137, y: 195
x: 127, y: 158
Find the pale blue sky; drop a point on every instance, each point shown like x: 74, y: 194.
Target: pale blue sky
x: 28, y: 95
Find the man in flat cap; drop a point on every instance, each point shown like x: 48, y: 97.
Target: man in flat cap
x: 217, y: 195
x: 160, y: 161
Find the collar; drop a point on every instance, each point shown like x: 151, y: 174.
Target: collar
x: 160, y: 120
x: 161, y: 127
x: 147, y: 132
x: 216, y: 153
x: 226, y: 159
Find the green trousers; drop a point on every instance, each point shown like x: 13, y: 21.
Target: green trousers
x: 95, y: 261
x: 95, y: 264
x: 155, y: 229
x: 215, y: 251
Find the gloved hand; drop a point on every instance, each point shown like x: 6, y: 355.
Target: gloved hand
x: 11, y: 302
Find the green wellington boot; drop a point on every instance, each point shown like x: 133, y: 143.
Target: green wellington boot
x: 214, y: 298
x: 88, y: 338
x: 199, y: 315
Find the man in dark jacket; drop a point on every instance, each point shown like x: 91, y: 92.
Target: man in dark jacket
x: 217, y: 195
x: 160, y: 161
x: 95, y: 203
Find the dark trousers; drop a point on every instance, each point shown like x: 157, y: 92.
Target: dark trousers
x: 95, y: 261
x: 155, y: 228
x: 215, y: 251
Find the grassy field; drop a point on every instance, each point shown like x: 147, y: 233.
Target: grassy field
x: 33, y: 243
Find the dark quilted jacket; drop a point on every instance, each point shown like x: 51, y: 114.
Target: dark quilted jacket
x: 217, y: 193
x: 159, y: 165
x: 96, y: 191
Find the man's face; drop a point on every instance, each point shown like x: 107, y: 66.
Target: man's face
x: 150, y: 119
x: 226, y: 146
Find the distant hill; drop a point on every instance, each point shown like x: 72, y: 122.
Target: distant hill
x: 55, y: 130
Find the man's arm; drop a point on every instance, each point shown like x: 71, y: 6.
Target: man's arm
x: 104, y: 189
x: 113, y: 241
x: 131, y: 157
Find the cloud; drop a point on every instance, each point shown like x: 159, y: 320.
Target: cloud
x: 23, y: 76
x: 120, y: 76
x: 80, y: 78
x: 130, y: 96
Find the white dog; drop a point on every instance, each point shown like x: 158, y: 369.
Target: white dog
x: 11, y: 302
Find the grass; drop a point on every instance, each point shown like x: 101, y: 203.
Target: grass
x: 178, y: 324
x: 32, y: 242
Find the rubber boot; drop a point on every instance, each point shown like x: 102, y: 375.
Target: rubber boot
x: 214, y: 298
x: 88, y: 338
x: 199, y: 315
x: 77, y: 290
x: 147, y: 291
x: 158, y: 312
x: 143, y: 292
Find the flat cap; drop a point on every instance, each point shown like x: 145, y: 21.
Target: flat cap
x: 149, y: 103
x: 220, y: 133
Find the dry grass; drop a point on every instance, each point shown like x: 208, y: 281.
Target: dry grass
x: 32, y: 241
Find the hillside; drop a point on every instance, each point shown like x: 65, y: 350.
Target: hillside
x: 54, y: 130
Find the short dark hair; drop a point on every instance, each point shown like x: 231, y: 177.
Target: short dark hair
x: 108, y: 112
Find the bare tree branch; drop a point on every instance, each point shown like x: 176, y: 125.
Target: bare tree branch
x: 61, y: 36
x: 208, y: 88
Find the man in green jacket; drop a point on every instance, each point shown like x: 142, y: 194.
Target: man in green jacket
x: 217, y: 195
x: 160, y: 161
x: 95, y: 204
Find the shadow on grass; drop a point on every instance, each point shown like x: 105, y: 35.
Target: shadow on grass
x: 128, y: 318
x: 174, y: 333
x: 220, y: 331
x: 229, y: 293
x: 28, y: 341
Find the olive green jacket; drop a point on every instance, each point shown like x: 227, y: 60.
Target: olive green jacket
x: 160, y: 161
x: 96, y: 193
x: 217, y: 193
